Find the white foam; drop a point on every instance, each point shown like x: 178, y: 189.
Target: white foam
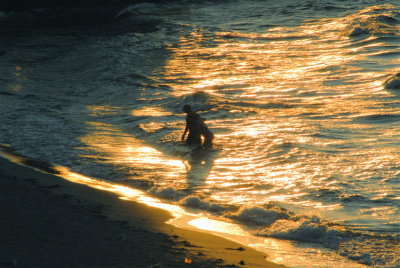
x: 307, y: 229
x: 166, y: 193
x: 196, y: 202
x: 260, y: 216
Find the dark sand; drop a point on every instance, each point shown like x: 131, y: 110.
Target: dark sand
x: 46, y: 221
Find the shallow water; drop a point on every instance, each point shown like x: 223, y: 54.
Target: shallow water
x: 306, y: 128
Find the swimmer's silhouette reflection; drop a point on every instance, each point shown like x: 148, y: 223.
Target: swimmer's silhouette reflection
x: 198, y: 167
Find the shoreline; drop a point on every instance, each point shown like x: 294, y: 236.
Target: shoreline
x: 47, y: 221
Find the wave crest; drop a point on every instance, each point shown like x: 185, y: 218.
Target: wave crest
x: 308, y: 229
x: 393, y: 82
x: 260, y: 216
x: 375, y: 20
x: 196, y: 202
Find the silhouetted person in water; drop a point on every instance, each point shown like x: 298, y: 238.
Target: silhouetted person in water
x: 197, y: 128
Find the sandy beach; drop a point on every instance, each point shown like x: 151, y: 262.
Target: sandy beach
x: 47, y: 221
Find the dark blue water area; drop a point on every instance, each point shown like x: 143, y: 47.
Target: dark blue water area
x: 28, y: 14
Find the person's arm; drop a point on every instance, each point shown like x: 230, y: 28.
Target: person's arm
x: 184, y: 133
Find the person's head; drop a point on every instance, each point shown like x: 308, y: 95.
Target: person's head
x: 187, y: 109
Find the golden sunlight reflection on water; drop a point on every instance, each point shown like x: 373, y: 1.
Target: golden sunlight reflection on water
x: 114, y: 146
x: 312, y: 72
x: 297, y: 126
x: 150, y: 111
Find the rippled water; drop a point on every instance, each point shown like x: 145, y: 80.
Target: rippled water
x: 306, y: 130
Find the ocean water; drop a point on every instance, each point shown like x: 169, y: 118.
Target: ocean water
x: 302, y: 96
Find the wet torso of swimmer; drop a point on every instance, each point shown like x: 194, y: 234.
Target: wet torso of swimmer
x: 192, y: 126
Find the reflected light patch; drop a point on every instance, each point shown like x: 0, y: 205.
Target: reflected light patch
x: 121, y: 148
x: 217, y: 226
x: 99, y: 110
x: 150, y: 111
x: 16, y: 88
x: 125, y: 193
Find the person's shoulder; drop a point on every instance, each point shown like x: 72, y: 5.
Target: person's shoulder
x: 193, y: 115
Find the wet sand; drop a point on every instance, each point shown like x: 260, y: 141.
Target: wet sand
x: 46, y: 221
